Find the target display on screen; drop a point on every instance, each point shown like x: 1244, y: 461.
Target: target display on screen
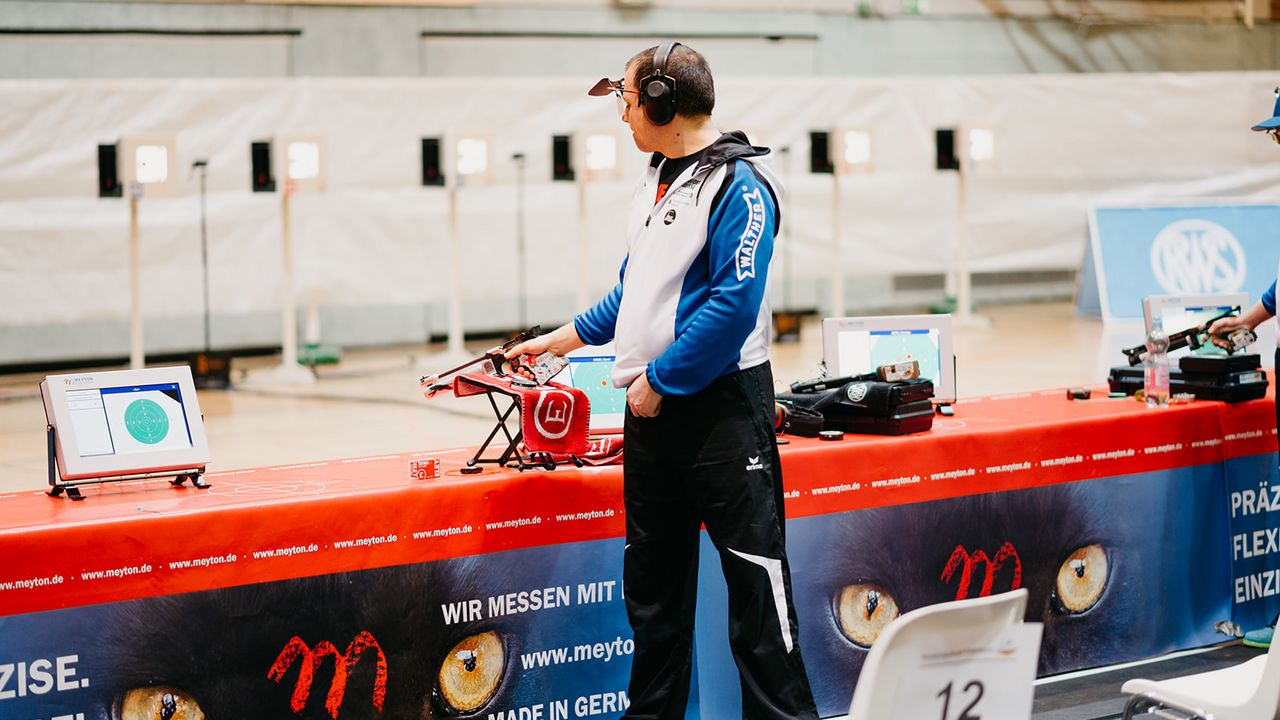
x: 146, y: 418
x: 859, y: 345
x: 590, y: 369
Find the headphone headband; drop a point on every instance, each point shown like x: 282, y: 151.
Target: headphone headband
x: 660, y: 56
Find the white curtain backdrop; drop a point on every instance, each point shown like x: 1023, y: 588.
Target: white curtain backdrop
x: 375, y: 238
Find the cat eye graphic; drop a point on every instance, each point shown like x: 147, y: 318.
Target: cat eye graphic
x: 470, y: 673
x: 863, y: 610
x: 157, y: 703
x: 1081, y: 579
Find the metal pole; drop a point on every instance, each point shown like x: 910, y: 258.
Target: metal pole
x: 289, y: 312
x: 521, y: 263
x: 203, y: 167
x: 584, y: 250
x: 964, y: 280
x: 455, y: 345
x: 837, y: 260
x: 136, y: 356
x: 964, y: 315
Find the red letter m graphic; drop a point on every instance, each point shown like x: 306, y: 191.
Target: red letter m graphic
x: 960, y: 558
x: 310, y: 660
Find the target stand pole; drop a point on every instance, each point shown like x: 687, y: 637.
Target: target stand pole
x: 455, y: 351
x: 136, y: 355
x: 455, y: 346
x: 837, y: 261
x: 289, y: 310
x: 522, y: 290
x: 288, y: 372
x: 203, y: 167
x: 584, y: 246
x: 964, y: 316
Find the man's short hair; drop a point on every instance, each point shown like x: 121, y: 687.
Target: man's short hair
x: 695, y: 89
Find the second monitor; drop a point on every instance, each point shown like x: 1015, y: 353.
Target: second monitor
x: 857, y: 345
x: 590, y: 370
x: 1181, y: 312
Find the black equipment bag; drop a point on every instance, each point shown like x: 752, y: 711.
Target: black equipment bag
x: 907, y: 418
x: 1230, y: 386
x: 872, y: 398
x: 869, y: 406
x: 1218, y: 364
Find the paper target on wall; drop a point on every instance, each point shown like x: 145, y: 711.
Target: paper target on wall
x: 150, y: 161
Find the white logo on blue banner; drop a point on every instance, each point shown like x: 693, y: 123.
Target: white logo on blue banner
x: 1177, y: 250
x: 1197, y: 257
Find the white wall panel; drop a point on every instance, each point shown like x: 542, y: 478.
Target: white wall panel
x: 90, y: 56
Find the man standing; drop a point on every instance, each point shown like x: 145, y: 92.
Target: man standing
x: 690, y: 321
x: 1260, y: 312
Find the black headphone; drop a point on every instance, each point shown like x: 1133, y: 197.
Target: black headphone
x: 658, y: 91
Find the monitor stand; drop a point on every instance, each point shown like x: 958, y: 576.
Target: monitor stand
x: 72, y: 489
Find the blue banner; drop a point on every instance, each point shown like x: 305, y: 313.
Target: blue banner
x: 537, y: 634
x: 1177, y: 250
x: 1117, y: 568
x: 1253, y: 488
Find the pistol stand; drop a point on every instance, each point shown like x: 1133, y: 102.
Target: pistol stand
x: 511, y: 455
x: 57, y: 487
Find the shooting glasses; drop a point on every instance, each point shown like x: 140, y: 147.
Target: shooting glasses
x: 605, y: 86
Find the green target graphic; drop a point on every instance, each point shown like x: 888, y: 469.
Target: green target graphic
x: 146, y: 421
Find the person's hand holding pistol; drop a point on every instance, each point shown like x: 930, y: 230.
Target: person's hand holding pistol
x: 1223, y: 330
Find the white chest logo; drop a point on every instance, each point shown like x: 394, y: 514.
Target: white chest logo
x: 1197, y: 256
x: 750, y: 239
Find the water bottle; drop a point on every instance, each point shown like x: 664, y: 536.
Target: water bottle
x: 1155, y: 366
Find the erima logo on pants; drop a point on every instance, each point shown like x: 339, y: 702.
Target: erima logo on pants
x: 753, y: 463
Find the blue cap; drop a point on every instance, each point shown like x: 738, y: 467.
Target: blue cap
x: 1272, y: 122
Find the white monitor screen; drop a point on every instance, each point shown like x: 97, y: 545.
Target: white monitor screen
x: 591, y: 371
x: 125, y: 422
x: 862, y: 351
x: 1181, y: 312
x: 1177, y: 319
x: 855, y: 346
x: 132, y: 419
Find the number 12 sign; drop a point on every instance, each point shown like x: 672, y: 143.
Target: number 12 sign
x: 988, y: 681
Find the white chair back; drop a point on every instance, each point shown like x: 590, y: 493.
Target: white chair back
x: 1247, y: 691
x: 1265, y: 702
x: 896, y: 655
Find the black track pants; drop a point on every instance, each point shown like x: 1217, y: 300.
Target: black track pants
x: 710, y: 458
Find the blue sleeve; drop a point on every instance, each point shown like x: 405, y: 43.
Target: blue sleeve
x: 739, y: 246
x: 596, y: 325
x: 1269, y: 299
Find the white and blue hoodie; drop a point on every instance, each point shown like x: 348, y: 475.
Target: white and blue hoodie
x: 692, y: 301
